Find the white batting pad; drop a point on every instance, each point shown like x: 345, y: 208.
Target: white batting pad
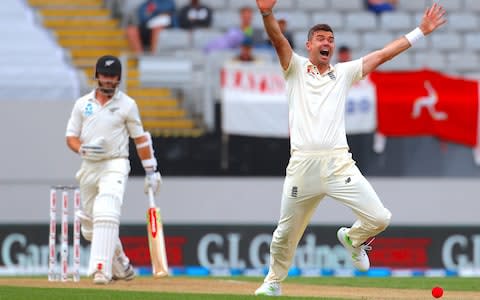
x: 104, y: 241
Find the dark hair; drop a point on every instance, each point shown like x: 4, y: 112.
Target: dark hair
x: 319, y: 27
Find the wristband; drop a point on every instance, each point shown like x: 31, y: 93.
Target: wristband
x: 414, y: 35
x: 149, y: 164
x: 265, y: 13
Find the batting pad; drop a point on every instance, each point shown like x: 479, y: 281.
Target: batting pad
x: 105, y: 237
x: 106, y: 216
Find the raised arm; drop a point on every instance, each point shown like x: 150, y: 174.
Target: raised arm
x: 433, y: 18
x: 279, y: 41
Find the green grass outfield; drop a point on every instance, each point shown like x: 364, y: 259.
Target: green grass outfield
x: 80, y: 293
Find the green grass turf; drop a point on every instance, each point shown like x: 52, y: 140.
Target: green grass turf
x: 22, y: 293
x: 450, y: 283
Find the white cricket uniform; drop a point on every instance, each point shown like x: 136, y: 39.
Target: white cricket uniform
x: 102, y: 182
x: 116, y: 121
x: 320, y: 163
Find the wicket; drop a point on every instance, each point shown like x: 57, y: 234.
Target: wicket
x: 52, y: 245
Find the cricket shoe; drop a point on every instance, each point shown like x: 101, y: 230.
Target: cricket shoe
x: 269, y: 289
x: 100, y: 278
x: 127, y: 274
x: 359, y: 254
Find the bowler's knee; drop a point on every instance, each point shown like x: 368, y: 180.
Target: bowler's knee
x: 382, y: 220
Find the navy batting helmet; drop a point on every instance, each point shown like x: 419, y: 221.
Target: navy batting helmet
x: 108, y: 65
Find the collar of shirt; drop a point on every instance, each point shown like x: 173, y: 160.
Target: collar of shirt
x: 312, y: 70
x: 91, y: 96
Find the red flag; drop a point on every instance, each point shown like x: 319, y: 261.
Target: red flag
x: 427, y: 103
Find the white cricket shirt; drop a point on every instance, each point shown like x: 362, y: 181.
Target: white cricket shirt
x: 116, y: 121
x: 317, y: 103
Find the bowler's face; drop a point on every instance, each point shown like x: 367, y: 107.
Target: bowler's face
x: 321, y: 47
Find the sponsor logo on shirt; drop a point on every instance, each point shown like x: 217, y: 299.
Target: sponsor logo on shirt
x: 88, y: 110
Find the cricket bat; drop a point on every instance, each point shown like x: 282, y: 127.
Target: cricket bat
x: 156, y: 240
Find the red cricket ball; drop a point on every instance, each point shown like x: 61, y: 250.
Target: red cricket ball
x: 437, y: 292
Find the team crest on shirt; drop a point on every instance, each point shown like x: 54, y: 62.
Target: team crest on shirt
x: 88, y: 110
x: 311, y: 71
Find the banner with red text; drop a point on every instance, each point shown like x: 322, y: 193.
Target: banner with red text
x: 254, y: 102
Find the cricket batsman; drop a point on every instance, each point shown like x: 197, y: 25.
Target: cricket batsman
x: 99, y: 129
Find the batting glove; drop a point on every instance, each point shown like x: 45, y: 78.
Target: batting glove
x: 94, y: 150
x: 153, y: 180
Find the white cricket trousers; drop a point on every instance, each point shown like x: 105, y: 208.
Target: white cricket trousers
x: 102, y: 185
x: 106, y: 177
x: 309, y: 178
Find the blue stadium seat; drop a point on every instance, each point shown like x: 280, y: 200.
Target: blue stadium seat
x: 348, y: 5
x: 430, y: 59
x: 201, y: 36
x: 361, y: 21
x: 472, y: 5
x: 463, y: 61
x: 376, y: 40
x: 413, y: 6
x: 224, y: 19
x: 173, y: 39
x: 396, y: 21
x: 446, y: 41
x: 215, y: 4
x: 334, y: 19
x: 472, y: 41
x: 297, y: 20
x: 313, y: 6
x: 348, y: 38
x: 463, y: 21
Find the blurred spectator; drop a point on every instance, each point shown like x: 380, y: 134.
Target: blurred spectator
x: 145, y: 23
x: 282, y: 20
x: 129, y: 20
x: 380, y: 6
x: 344, y: 54
x: 195, y: 15
x: 245, y: 53
x: 234, y: 37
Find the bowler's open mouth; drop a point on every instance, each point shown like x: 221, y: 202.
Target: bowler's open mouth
x: 324, y: 52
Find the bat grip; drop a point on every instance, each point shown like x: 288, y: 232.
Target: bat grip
x: 151, y: 198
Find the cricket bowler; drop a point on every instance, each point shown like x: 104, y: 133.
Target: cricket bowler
x: 321, y: 164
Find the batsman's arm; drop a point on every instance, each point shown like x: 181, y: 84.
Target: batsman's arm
x: 73, y: 142
x: 433, y: 18
x: 279, y: 41
x: 144, y: 148
x: 153, y: 179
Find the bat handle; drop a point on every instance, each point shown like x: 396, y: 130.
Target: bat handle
x: 151, y: 198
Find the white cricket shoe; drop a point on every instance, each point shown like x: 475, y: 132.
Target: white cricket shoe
x: 269, y: 289
x: 359, y: 255
x: 127, y: 274
x: 100, y: 278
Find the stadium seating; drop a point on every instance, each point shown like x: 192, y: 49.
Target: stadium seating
x: 454, y: 49
x: 86, y: 30
x: 31, y: 61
